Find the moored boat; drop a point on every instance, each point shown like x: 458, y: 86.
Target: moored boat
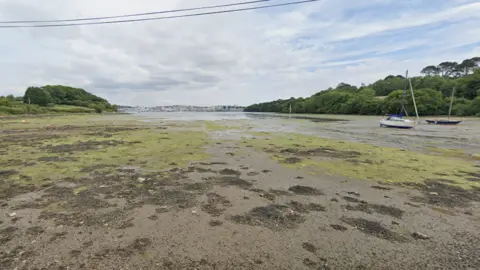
x: 447, y: 121
x: 443, y: 122
x: 397, y: 121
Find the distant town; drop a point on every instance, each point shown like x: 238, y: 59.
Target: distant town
x: 182, y: 108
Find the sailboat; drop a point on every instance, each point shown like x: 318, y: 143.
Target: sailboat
x: 447, y: 121
x: 397, y: 120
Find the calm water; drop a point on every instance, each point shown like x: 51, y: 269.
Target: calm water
x: 214, y: 116
x: 191, y: 116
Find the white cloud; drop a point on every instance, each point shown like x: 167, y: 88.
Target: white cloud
x: 236, y: 58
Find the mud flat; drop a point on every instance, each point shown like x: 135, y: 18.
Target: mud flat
x: 117, y: 192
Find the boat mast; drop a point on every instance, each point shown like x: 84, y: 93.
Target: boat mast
x: 404, y: 110
x: 413, y: 97
x: 451, y: 103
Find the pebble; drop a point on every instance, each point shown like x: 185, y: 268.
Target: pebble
x: 419, y: 235
x: 12, y: 214
x: 141, y: 179
x: 433, y: 193
x: 354, y: 193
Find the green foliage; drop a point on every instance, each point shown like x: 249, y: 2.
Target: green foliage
x: 432, y: 94
x: 37, y: 95
x: 65, y: 95
x: 388, y: 85
x: 54, y: 99
x: 98, y: 108
x: 70, y: 109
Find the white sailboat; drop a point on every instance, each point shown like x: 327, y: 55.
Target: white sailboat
x: 397, y: 120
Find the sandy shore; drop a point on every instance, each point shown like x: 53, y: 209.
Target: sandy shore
x: 118, y: 192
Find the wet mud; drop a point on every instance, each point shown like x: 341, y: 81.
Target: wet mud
x: 246, y: 211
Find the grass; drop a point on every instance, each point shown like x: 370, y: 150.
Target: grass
x: 19, y: 108
x: 219, y: 126
x: 453, y: 153
x: 71, y: 109
x: 373, y: 163
x: 147, y: 148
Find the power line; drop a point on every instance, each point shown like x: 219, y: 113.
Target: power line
x: 136, y: 14
x: 158, y: 18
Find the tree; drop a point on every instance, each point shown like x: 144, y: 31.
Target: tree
x: 346, y: 87
x: 429, y: 101
x: 467, y: 67
x: 448, y: 69
x: 390, y: 84
x: 37, y: 95
x: 98, y: 108
x: 475, y: 106
x: 469, y: 85
x: 432, y: 94
x: 430, y: 70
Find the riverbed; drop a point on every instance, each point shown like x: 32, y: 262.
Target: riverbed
x: 237, y: 191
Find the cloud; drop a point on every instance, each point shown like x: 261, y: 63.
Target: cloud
x: 236, y: 58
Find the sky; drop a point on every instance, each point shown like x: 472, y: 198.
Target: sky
x: 235, y: 58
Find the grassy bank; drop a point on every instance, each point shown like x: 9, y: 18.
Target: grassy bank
x: 39, y: 150
x: 365, y: 161
x: 20, y: 108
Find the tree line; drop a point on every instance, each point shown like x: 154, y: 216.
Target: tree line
x: 54, y: 98
x: 432, y: 94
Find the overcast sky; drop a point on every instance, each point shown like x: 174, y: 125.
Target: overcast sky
x: 236, y: 58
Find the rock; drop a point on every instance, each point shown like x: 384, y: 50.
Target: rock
x: 354, y: 193
x: 141, y: 179
x: 419, y: 235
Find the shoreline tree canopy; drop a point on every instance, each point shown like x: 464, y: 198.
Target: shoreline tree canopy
x: 432, y: 94
x: 55, y: 99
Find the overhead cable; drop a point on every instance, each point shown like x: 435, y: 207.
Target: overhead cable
x: 135, y: 14
x: 157, y: 18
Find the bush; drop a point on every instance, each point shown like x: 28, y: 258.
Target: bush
x: 36, y: 95
x: 71, y: 109
x: 11, y: 110
x: 98, y: 109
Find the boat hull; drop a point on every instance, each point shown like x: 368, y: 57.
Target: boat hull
x: 397, y: 124
x: 443, y: 122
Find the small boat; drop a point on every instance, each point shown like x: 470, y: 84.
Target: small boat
x: 397, y: 121
x: 443, y: 122
x: 447, y: 121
